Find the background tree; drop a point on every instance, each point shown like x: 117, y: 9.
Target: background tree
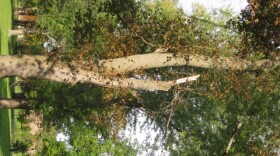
x: 259, y: 26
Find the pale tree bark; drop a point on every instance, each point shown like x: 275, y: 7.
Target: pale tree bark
x: 40, y: 67
x: 17, y: 32
x: 13, y: 103
x: 159, y: 60
x: 21, y: 32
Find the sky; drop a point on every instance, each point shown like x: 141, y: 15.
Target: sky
x: 236, y: 5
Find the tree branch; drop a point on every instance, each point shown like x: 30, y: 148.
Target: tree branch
x: 159, y: 60
x: 13, y: 103
x: 233, y: 138
x: 40, y: 67
x: 143, y: 40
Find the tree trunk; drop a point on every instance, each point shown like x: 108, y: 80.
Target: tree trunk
x: 26, y: 24
x: 21, y: 32
x: 40, y: 67
x: 25, y: 11
x: 17, y: 32
x: 43, y: 68
x: 13, y: 103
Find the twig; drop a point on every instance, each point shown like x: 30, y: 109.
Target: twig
x: 146, y: 42
x: 173, y: 102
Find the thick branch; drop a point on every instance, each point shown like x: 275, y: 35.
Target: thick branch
x: 40, y: 67
x: 159, y: 60
x: 13, y: 103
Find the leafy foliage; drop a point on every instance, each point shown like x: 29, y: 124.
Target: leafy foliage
x: 205, y: 125
x: 23, y: 141
x: 196, y: 119
x: 87, y: 142
x: 64, y: 104
x: 50, y: 145
x: 83, y: 141
x: 259, y: 25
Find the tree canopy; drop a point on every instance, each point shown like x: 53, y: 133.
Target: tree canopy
x: 209, y: 82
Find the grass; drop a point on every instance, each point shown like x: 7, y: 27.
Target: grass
x: 5, y: 25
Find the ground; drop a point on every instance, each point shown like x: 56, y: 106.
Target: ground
x: 5, y: 25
